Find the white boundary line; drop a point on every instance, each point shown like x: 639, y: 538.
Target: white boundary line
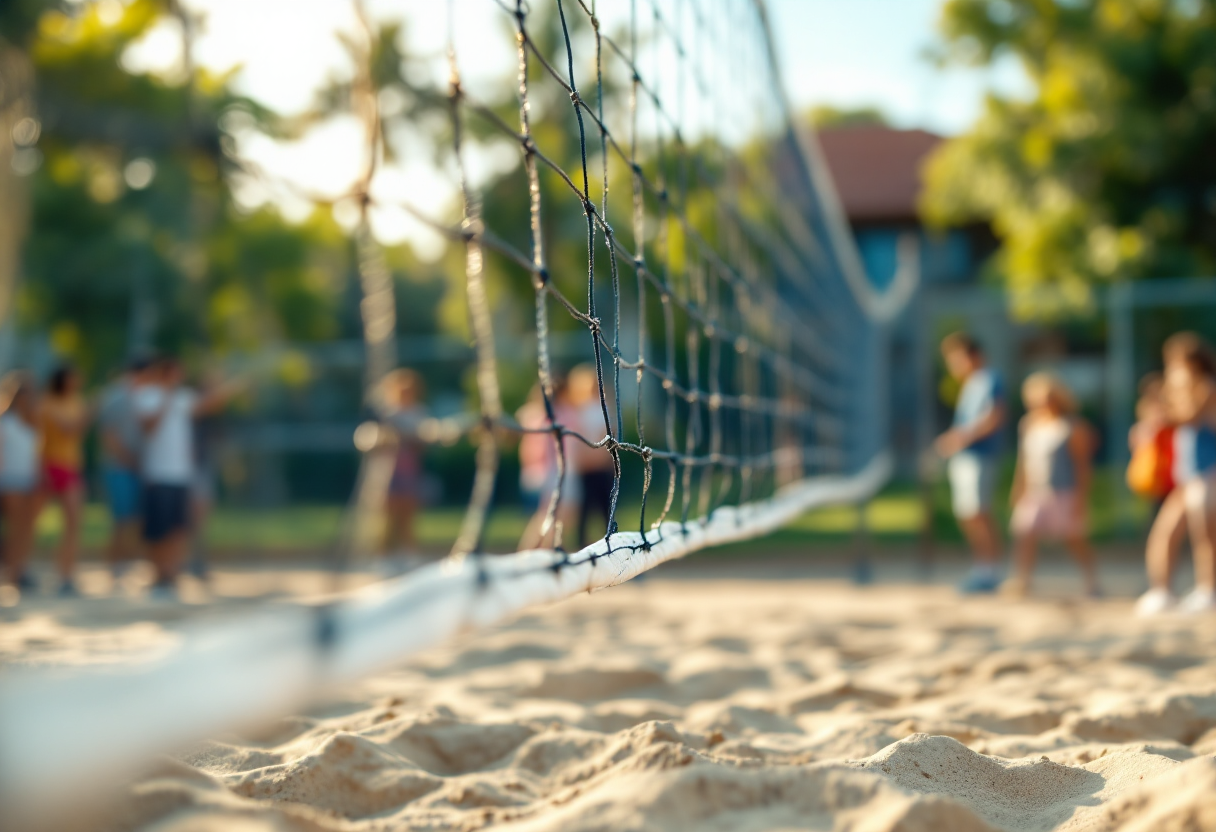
x: 62, y: 732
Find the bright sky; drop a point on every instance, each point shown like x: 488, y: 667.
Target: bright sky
x: 847, y: 53
x: 856, y: 52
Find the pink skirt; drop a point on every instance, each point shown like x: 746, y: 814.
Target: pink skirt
x: 1048, y: 514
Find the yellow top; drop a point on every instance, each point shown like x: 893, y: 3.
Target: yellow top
x: 63, y: 446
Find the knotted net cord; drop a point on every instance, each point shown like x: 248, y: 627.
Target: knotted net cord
x: 765, y: 294
x: 757, y: 289
x: 753, y: 375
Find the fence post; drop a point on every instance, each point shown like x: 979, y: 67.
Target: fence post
x: 927, y: 468
x: 1120, y: 369
x: 863, y: 567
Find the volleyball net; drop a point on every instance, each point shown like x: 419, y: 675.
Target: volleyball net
x: 642, y: 185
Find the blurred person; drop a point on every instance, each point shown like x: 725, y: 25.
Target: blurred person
x: 1051, y: 481
x: 789, y: 461
x: 596, y: 471
x: 402, y: 392
x: 20, y: 477
x: 1152, y: 413
x: 64, y: 417
x: 971, y: 447
x: 121, y: 439
x: 539, y: 463
x: 1189, y: 393
x: 167, y: 411
x: 1151, y: 442
x: 534, y: 456
x: 207, y: 437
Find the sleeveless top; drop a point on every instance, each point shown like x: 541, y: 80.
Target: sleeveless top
x: 64, y: 448
x: 1046, y: 457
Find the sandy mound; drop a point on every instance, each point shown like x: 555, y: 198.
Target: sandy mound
x: 742, y: 706
x: 1179, y: 801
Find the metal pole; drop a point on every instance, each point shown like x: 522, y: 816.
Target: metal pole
x: 1120, y: 369
x: 877, y: 420
x: 927, y: 466
x: 16, y: 113
x: 863, y: 568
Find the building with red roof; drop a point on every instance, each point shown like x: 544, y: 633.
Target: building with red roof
x: 879, y: 174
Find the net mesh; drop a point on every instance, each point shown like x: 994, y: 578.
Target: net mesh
x: 728, y: 349
x: 736, y: 350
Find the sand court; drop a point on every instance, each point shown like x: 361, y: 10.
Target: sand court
x: 720, y: 703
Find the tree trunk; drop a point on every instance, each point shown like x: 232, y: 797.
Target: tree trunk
x: 16, y: 104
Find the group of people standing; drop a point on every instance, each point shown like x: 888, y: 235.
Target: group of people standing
x: 1173, y: 446
x: 148, y: 424
x: 148, y: 437
x: 584, y: 474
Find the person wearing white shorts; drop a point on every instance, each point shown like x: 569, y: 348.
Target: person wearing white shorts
x: 971, y: 445
x: 972, y: 483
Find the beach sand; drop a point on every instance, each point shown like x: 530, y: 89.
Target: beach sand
x: 679, y: 703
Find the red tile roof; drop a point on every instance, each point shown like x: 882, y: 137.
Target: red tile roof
x: 877, y: 170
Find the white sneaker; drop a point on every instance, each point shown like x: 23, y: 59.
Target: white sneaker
x: 388, y: 567
x: 1199, y: 601
x: 1154, y: 602
x: 393, y: 566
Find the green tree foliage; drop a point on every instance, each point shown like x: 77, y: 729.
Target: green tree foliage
x: 829, y: 116
x: 699, y: 178
x: 1108, y: 170
x: 135, y: 239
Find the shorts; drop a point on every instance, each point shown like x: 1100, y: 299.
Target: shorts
x: 122, y: 493
x: 407, y: 478
x: 61, y: 479
x: 530, y: 499
x: 422, y: 488
x: 1055, y: 515
x: 166, y: 510
x: 1199, y: 492
x: 406, y: 484
x: 18, y: 483
x: 972, y: 482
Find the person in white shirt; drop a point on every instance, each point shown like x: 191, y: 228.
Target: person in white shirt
x: 120, y: 441
x: 972, y: 446
x: 167, y: 410
x: 20, y: 469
